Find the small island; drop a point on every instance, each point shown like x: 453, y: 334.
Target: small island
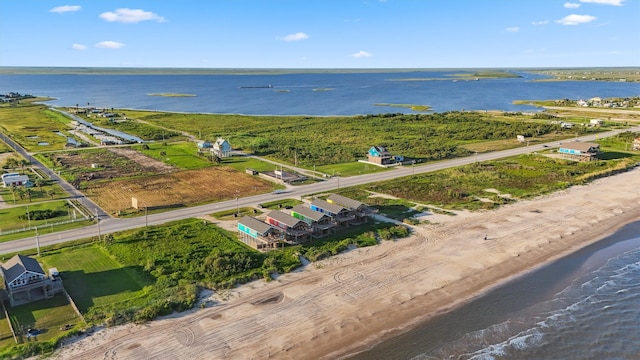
x: 413, y: 107
x: 171, y: 95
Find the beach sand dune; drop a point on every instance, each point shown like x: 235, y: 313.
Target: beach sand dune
x: 353, y: 300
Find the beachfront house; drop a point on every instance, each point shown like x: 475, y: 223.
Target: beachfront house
x: 379, y: 155
x: 15, y: 179
x: 221, y: 148
x: 581, y: 151
x: 340, y: 214
x: 321, y: 224
x: 258, y: 234
x: 295, y: 230
x: 360, y: 210
x: 25, y: 281
x: 636, y: 144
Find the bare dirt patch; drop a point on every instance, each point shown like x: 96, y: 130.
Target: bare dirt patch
x: 176, y: 189
x: 113, y: 163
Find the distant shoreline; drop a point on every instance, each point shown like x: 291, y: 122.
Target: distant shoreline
x: 25, y: 70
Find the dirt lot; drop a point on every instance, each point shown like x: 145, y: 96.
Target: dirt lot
x: 176, y: 189
x: 110, y: 163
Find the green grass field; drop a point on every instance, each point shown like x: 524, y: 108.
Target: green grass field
x: 10, y: 218
x: 181, y: 154
x: 48, y: 316
x: 93, y: 278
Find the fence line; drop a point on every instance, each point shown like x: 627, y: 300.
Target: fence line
x: 42, y: 226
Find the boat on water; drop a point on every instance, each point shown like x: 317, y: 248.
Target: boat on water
x: 257, y: 87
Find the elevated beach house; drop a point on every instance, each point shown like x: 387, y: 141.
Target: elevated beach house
x: 294, y: 230
x: 321, y: 224
x: 379, y: 155
x: 340, y: 214
x: 360, y: 210
x: 580, y: 151
x: 25, y: 281
x: 636, y: 144
x: 257, y: 234
x: 15, y: 179
x: 221, y: 148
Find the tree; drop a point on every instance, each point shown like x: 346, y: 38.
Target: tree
x: 51, y: 193
x: 23, y: 163
x: 39, y: 182
x: 12, y: 163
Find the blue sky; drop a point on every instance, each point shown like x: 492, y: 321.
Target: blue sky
x: 320, y: 33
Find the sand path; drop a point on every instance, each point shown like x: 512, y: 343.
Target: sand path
x: 365, y: 295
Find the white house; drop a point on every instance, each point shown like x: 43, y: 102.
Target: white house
x: 15, y: 179
x: 25, y: 281
x: 221, y: 148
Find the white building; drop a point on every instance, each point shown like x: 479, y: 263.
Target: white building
x: 15, y: 179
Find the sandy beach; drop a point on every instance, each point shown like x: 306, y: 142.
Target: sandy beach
x: 346, y: 303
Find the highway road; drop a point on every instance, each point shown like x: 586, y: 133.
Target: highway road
x: 109, y: 225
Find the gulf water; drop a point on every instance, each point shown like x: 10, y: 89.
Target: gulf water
x: 585, y: 306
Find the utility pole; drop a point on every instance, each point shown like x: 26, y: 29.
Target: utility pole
x: 146, y: 216
x: 237, y: 205
x: 37, y: 241
x: 98, y: 218
x: 28, y: 217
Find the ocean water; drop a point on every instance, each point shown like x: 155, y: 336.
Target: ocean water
x: 306, y: 94
x: 585, y: 306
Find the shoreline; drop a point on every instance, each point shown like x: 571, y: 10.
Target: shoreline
x: 350, y: 302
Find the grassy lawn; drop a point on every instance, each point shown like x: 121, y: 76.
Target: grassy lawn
x: 279, y: 204
x: 46, y: 315
x: 349, y: 169
x: 183, y: 155
x: 10, y: 217
x: 93, y: 278
x: 241, y: 163
x: 6, y: 337
x: 231, y: 214
x: 34, y: 126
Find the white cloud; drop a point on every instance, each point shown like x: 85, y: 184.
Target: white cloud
x: 65, y: 9
x: 574, y: 19
x: 109, y: 45
x: 294, y: 37
x: 569, y: 5
x: 604, y: 2
x: 361, y: 54
x: 543, y: 22
x: 130, y: 16
x: 78, y: 47
x: 513, y: 29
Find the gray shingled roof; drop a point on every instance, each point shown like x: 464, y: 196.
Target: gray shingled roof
x: 255, y: 224
x: 284, y: 218
x: 578, y: 145
x: 345, y: 201
x: 307, y: 212
x: 333, y: 208
x: 17, y: 265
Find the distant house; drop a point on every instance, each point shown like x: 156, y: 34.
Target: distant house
x: 596, y: 122
x: 636, y: 144
x: 379, y: 155
x: 340, y: 214
x: 257, y: 234
x: 25, y: 281
x: 321, y: 224
x: 582, y: 151
x: 221, y: 148
x: 294, y: 229
x: 204, y: 145
x: 15, y: 179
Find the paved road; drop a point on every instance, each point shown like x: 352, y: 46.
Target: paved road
x: 72, y: 191
x: 110, y: 225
